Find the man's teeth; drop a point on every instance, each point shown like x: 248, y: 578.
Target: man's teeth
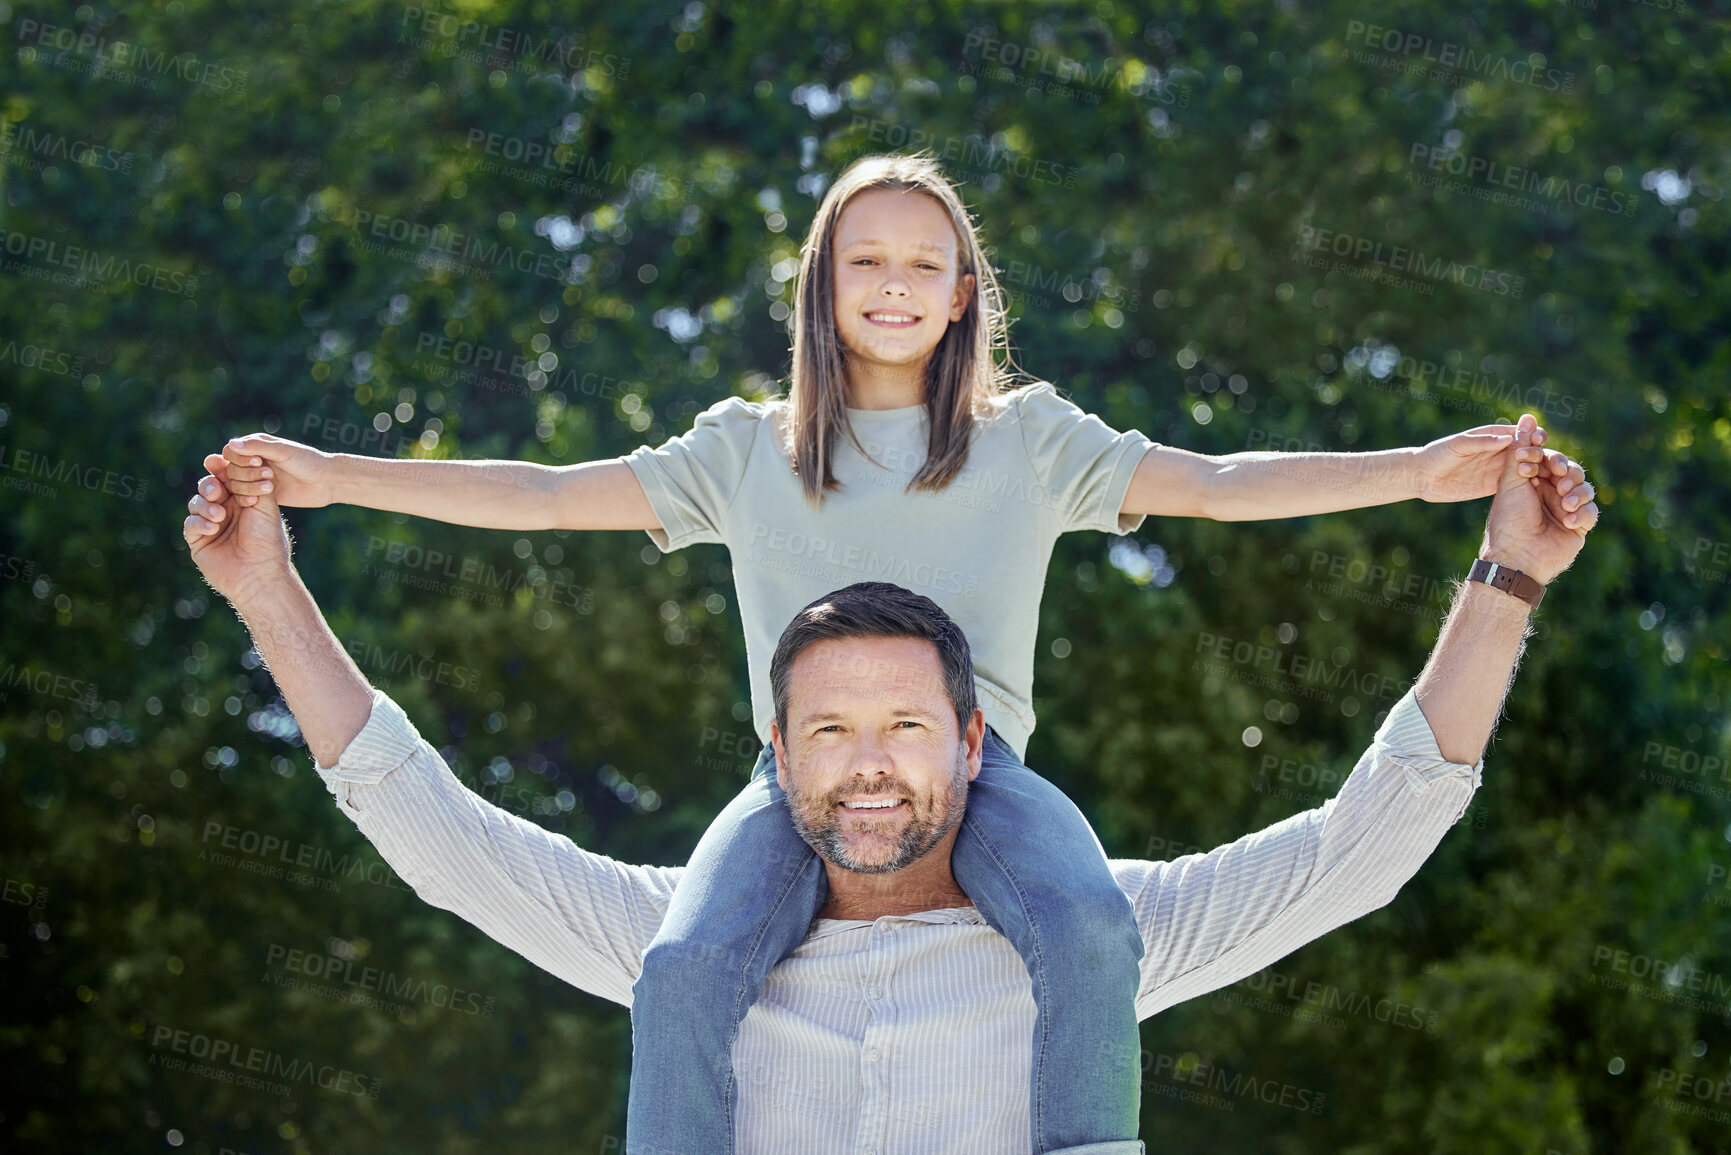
x: 884, y: 805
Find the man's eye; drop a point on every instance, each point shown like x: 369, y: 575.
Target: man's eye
x: 907, y: 722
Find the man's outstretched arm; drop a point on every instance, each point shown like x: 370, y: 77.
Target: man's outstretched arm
x: 578, y: 915
x: 1211, y: 919
x: 1473, y: 665
x: 243, y: 551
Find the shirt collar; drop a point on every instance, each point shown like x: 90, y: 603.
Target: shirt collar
x: 955, y: 915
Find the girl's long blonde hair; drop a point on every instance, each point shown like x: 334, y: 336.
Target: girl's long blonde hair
x: 963, y: 372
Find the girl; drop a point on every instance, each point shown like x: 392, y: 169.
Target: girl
x: 901, y: 453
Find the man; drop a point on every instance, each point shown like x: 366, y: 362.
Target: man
x: 902, y: 1023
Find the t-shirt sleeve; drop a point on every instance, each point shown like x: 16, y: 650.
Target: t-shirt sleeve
x: 691, y: 479
x: 1084, y: 464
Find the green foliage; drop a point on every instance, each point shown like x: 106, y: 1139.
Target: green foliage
x: 325, y: 219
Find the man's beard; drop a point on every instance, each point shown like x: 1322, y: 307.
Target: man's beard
x: 930, y: 818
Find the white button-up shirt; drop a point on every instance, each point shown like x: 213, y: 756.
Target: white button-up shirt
x: 907, y: 1034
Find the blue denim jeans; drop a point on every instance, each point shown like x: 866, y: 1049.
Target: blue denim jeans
x: 1033, y: 867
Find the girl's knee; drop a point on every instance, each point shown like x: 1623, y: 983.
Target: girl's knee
x: 687, y: 965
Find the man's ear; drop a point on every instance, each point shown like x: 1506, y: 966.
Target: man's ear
x: 780, y: 756
x: 974, y: 740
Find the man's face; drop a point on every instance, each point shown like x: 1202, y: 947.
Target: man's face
x: 874, y: 764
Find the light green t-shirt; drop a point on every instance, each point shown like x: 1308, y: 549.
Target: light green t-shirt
x: 1038, y: 466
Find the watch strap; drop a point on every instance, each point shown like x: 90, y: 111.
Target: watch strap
x: 1510, y: 581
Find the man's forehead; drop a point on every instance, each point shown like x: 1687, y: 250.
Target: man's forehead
x: 896, y: 661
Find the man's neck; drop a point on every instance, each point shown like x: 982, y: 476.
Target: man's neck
x: 924, y: 885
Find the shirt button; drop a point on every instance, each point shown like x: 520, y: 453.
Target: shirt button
x: 883, y: 928
x: 872, y: 1055
x: 874, y: 993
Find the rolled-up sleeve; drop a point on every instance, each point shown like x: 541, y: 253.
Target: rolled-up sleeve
x: 581, y: 916
x: 1084, y: 465
x: 1211, y: 919
x: 691, y: 479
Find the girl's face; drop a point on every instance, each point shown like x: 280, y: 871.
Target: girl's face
x: 896, y: 278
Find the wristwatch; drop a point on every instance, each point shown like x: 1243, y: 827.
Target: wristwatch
x: 1510, y: 581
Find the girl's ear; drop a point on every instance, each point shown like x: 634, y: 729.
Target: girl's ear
x: 964, y: 294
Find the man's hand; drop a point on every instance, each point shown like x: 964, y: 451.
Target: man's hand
x: 237, y: 546
x: 1464, y: 466
x: 1539, y: 522
x: 297, y: 476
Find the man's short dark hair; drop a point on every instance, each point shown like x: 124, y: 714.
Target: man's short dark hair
x: 876, y: 610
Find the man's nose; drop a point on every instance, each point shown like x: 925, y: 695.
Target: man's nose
x: 871, y: 757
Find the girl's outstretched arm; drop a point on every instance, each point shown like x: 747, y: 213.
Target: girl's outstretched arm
x: 1255, y: 485
x: 489, y: 494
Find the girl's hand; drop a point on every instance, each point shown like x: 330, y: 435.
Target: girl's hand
x: 259, y: 464
x: 1464, y: 466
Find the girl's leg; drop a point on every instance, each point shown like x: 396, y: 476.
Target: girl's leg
x: 746, y: 899
x: 1037, y: 872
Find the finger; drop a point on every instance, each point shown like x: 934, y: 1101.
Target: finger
x: 216, y: 463
x: 1580, y: 498
x: 247, y: 472
x: 1539, y: 435
x: 1527, y: 424
x: 247, y: 450
x: 196, y: 528
x: 1572, y: 478
x: 1585, y: 518
x: 250, y: 480
x: 212, y: 488
x: 206, y: 509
